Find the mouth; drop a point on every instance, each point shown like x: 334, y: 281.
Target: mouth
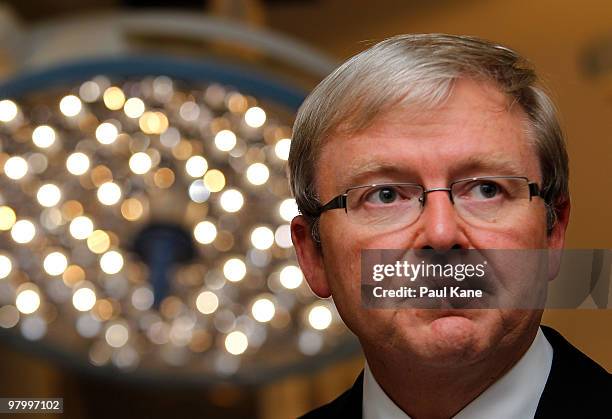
x: 450, y: 312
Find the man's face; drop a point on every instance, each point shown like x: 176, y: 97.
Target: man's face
x: 472, y: 134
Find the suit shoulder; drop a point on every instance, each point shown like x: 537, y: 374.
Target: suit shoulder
x: 577, y: 386
x: 569, y: 360
x: 332, y: 409
x: 347, y: 405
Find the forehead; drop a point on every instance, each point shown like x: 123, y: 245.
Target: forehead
x: 475, y: 130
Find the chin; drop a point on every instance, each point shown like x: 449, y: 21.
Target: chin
x: 453, y: 338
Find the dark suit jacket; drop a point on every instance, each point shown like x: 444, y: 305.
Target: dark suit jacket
x: 576, y: 388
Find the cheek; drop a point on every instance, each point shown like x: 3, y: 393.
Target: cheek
x: 342, y: 262
x: 529, y: 233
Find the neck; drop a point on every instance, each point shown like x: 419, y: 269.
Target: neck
x: 432, y: 392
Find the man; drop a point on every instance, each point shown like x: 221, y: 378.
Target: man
x: 430, y: 110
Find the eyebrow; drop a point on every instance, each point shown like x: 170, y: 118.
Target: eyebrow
x: 495, y: 164
x: 360, y: 171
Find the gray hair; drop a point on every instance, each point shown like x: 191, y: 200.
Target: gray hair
x: 421, y: 68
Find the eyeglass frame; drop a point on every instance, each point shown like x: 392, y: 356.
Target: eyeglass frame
x: 340, y: 201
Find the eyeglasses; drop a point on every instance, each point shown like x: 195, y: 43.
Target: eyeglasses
x: 485, y: 199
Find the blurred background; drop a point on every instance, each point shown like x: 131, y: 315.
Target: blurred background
x: 132, y: 128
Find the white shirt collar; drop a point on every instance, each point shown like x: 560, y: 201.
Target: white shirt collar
x: 515, y: 395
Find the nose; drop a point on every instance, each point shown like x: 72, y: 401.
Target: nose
x: 439, y: 227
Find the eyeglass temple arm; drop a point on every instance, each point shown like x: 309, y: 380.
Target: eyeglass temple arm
x: 534, y: 190
x: 337, y: 202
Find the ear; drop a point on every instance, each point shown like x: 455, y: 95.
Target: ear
x: 309, y: 256
x: 556, y: 239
